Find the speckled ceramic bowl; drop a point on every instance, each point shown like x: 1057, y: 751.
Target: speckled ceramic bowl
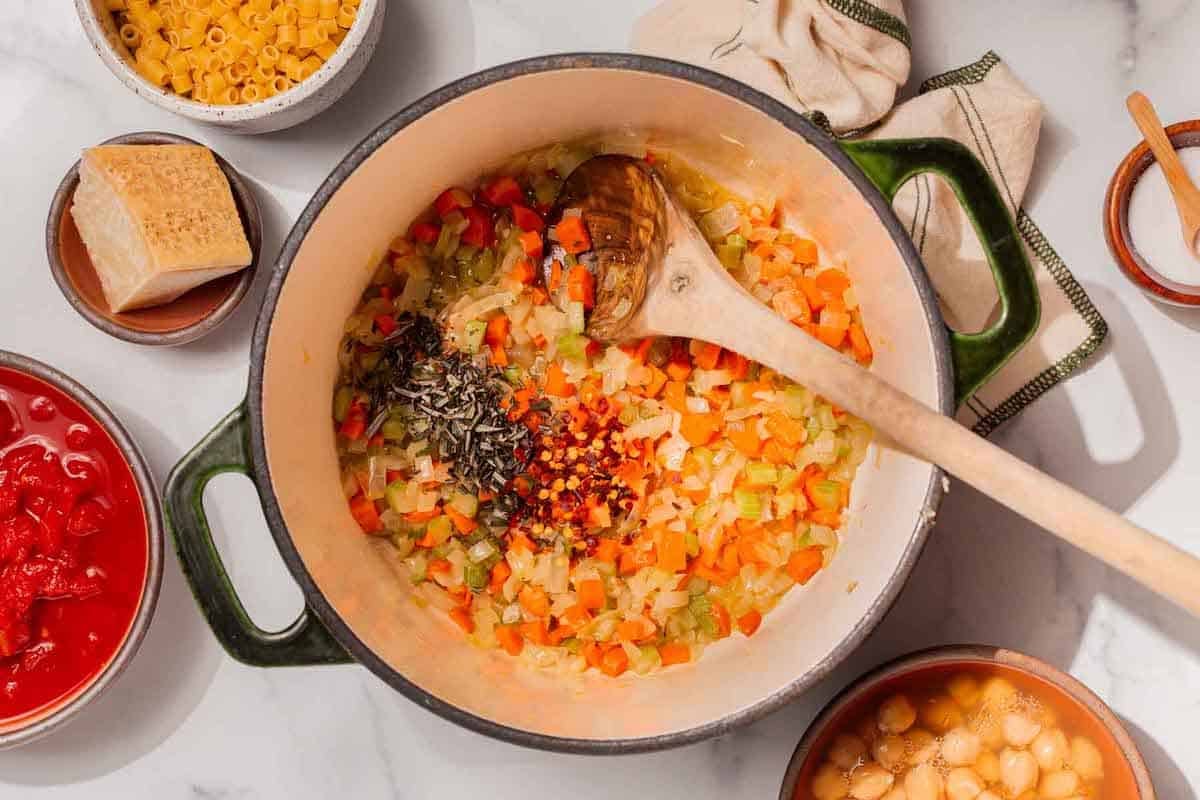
x: 304, y: 101
x: 51, y: 717
x: 1126, y: 775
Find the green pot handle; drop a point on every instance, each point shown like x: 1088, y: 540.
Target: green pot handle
x: 226, y: 449
x: 889, y: 163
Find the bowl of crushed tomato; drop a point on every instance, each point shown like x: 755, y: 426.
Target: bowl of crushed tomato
x: 80, y: 548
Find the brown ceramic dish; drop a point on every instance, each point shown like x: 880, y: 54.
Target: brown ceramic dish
x: 183, y: 320
x: 1126, y: 774
x: 1116, y: 221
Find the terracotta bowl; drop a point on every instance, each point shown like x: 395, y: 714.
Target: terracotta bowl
x: 300, y: 103
x: 183, y: 320
x: 1126, y: 775
x: 51, y: 717
x: 1116, y: 221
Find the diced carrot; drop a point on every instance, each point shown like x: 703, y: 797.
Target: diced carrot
x: 534, y: 600
x: 599, y: 515
x: 462, y: 618
x: 355, y: 424
x: 710, y: 573
x: 461, y: 521
x: 831, y: 336
x: 386, y: 324
x: 539, y: 296
x: 500, y: 574
x: 802, y: 566
x: 523, y: 271
x: 497, y: 330
x: 805, y: 251
x: 535, y: 632
x: 672, y: 553
x: 675, y: 653
x: 721, y: 615
x: 658, y: 380
x: 833, y: 281
x: 526, y: 218
x: 531, y: 242
x: 858, y: 341
x: 774, y: 270
x: 614, y: 662
x: 776, y: 452
x: 591, y: 593
x: 675, y: 395
x: 510, y: 639
x: 708, y: 356
x: 678, y: 371
x: 730, y: 560
x: 560, y: 634
x: 638, y: 350
x: 607, y: 550
x: 747, y: 546
x: 635, y: 630
x: 790, y: 432
x: 748, y: 623
x: 577, y: 616
x: 556, y: 275
x: 426, y: 232
x: 826, y: 517
x: 499, y: 356
x: 439, y: 566
x: 522, y: 542
x: 700, y: 429
x: 745, y: 440
x: 593, y: 654
x: 581, y: 286
x: 362, y: 508
x: 423, y: 516
x: 450, y: 200
x: 573, y: 235
x: 738, y: 365
x: 502, y: 191
x: 813, y: 293
x: 556, y: 382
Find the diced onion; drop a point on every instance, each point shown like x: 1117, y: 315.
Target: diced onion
x: 721, y: 221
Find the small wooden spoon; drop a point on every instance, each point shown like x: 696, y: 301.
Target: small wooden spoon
x: 1187, y: 196
x: 657, y: 276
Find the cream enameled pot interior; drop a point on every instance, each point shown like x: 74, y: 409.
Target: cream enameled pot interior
x: 453, y: 144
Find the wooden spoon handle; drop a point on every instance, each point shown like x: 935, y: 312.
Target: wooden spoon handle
x: 723, y: 313
x: 1187, y: 196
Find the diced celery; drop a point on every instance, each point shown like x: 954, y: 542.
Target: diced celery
x: 735, y: 240
x: 370, y: 360
x: 572, y: 645
x: 512, y: 374
x: 730, y: 256
x: 647, y: 660
x: 785, y: 503
x: 826, y: 495
x: 439, y: 529
x: 545, y: 189
x: 476, y: 576
x: 813, y: 427
x: 484, y: 266
x: 697, y: 585
x: 394, y: 429
x: 628, y: 415
x: 573, y: 345
x: 749, y: 504
x: 692, y: 541
x: 804, y: 539
x: 473, y: 333
x: 394, y: 493
x: 465, y: 504
x: 795, y: 401
x: 404, y: 544
x: 761, y: 474
x: 419, y: 566
x: 825, y: 415
x: 341, y: 402
x: 741, y: 393
x: 704, y: 456
x: 575, y: 320
x: 701, y: 608
x: 383, y: 273
x: 705, y: 513
x: 788, y: 478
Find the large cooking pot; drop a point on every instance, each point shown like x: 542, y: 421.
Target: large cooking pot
x: 282, y: 437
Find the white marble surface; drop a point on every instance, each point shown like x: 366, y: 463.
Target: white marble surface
x: 187, y: 722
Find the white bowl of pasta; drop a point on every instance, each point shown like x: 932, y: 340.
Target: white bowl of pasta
x: 248, y: 66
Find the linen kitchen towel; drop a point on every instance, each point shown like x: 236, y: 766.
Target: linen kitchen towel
x: 846, y: 59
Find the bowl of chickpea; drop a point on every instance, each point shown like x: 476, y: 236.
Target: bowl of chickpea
x: 247, y: 66
x: 967, y: 723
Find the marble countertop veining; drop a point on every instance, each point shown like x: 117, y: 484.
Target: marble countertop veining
x: 187, y: 722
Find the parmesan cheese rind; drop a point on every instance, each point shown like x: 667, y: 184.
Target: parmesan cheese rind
x: 157, y: 220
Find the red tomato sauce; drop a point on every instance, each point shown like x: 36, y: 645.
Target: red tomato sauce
x: 73, y: 549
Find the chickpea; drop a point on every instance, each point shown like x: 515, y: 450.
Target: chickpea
x: 965, y: 691
x: 988, y: 766
x: 870, y: 782
x: 963, y: 784
x: 1086, y: 759
x: 1050, y: 748
x: 921, y: 746
x: 997, y: 694
x: 847, y: 751
x: 987, y: 725
x: 830, y: 783
x: 940, y: 714
x: 889, y: 751
x: 897, y: 714
x: 1018, y: 771
x: 960, y: 747
x: 923, y: 782
x: 1059, y: 785
x: 1019, y: 730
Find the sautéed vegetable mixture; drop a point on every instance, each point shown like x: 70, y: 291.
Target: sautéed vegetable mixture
x: 576, y: 504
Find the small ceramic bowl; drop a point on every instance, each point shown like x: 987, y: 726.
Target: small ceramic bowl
x: 1126, y: 775
x: 50, y: 718
x: 1116, y: 221
x: 302, y: 102
x: 184, y: 319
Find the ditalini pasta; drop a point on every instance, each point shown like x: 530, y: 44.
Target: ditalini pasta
x: 228, y: 52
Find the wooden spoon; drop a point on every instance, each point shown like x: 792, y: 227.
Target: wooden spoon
x: 657, y: 276
x: 1187, y: 196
